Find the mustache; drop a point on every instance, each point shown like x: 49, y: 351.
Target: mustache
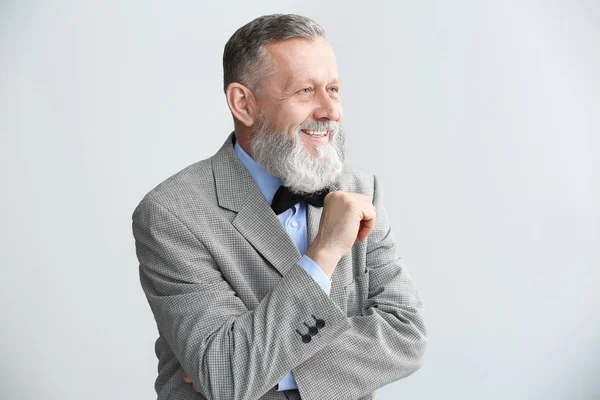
x: 331, y: 126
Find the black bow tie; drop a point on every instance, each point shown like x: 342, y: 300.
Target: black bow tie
x: 284, y: 199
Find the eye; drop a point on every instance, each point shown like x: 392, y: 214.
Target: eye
x: 304, y: 90
x: 334, y: 89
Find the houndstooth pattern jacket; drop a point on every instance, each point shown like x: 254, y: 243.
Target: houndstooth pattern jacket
x: 236, y: 312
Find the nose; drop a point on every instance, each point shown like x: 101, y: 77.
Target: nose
x: 327, y: 108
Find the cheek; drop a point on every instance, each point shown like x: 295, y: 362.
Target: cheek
x: 293, y: 115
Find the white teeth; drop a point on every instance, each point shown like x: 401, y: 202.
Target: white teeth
x: 316, y: 133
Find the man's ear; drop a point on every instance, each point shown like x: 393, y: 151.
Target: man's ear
x: 241, y: 102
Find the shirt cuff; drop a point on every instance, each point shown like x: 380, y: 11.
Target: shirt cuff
x: 316, y: 272
x: 288, y: 382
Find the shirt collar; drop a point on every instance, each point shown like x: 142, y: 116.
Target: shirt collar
x: 267, y: 183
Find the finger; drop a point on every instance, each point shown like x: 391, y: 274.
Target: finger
x: 366, y: 226
x: 368, y: 215
x: 363, y: 232
x: 365, y: 199
x: 194, y: 387
x: 186, y: 378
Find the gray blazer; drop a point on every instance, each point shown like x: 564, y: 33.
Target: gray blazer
x: 233, y: 308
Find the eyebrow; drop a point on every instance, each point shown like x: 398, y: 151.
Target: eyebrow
x: 297, y: 82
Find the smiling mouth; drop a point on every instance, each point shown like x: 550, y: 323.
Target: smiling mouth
x: 316, y: 133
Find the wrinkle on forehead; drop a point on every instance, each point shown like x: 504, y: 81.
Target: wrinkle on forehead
x: 300, y: 60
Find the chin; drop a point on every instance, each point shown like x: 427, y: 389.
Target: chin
x: 312, y: 151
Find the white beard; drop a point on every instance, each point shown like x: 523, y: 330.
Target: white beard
x: 288, y: 159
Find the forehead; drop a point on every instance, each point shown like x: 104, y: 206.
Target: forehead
x: 301, y: 59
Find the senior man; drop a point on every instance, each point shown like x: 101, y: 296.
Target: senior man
x: 270, y: 267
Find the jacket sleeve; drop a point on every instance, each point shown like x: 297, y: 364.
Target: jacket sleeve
x: 386, y: 342
x: 228, y: 351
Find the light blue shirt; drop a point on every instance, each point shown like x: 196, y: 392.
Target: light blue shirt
x: 294, y: 222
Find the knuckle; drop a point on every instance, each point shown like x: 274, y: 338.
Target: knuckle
x: 331, y: 196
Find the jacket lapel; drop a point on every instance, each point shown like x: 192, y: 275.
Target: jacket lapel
x: 255, y: 220
x: 313, y: 218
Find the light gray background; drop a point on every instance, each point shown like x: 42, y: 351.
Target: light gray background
x: 481, y: 118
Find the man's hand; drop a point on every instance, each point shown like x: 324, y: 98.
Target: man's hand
x: 187, y: 379
x: 346, y: 217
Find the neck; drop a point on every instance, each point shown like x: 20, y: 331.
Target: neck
x: 243, y: 135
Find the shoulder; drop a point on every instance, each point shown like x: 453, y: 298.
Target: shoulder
x: 357, y: 180
x: 193, y: 184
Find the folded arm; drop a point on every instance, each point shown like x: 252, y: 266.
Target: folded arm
x: 228, y: 351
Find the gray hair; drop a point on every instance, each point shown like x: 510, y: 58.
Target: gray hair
x: 244, y: 54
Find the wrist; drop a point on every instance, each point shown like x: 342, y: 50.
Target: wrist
x: 324, y: 258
